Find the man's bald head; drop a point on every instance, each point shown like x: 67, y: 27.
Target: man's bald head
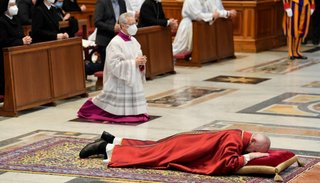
x: 259, y: 143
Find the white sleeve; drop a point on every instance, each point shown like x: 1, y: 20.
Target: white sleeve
x: 223, y: 13
x: 246, y: 158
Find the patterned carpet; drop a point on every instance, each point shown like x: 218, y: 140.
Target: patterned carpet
x: 58, y: 154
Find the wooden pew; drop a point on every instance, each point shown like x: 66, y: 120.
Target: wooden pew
x: 257, y: 26
x: 62, y: 24
x: 156, y: 44
x: 42, y: 73
x: 210, y: 42
x: 88, y: 15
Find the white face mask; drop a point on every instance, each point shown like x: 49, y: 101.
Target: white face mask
x: 132, y: 29
x: 13, y: 10
x: 51, y: 1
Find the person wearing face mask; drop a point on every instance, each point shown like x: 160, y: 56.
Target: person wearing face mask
x: 122, y: 97
x: 72, y: 5
x: 151, y: 13
x: 45, y: 24
x: 196, y: 10
x: 63, y: 16
x: 11, y: 33
x: 25, y: 11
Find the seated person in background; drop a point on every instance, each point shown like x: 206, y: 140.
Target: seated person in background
x: 45, y: 23
x: 73, y: 23
x: 72, y: 5
x: 151, y: 13
x: 202, y: 152
x: 200, y: 10
x: 25, y: 11
x: 11, y: 33
x: 133, y: 6
x: 122, y: 97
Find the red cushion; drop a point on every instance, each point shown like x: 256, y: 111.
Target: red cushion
x: 1, y: 98
x: 183, y: 55
x: 90, y: 31
x: 98, y: 74
x: 274, y: 159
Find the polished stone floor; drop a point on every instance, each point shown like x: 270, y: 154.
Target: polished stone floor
x: 260, y: 92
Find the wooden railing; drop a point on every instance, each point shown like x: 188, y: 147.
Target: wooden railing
x: 210, y: 42
x: 42, y: 73
x: 156, y: 45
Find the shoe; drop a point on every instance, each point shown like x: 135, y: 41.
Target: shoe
x: 314, y: 42
x: 292, y: 58
x: 301, y: 57
x: 107, y: 137
x: 91, y: 149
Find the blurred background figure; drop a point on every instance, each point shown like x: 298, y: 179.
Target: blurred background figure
x: 72, y: 5
x: 45, y: 23
x: 25, y: 11
x: 106, y: 21
x: 133, y: 6
x: 296, y: 24
x: 11, y: 33
x: 196, y: 10
x: 64, y: 16
x: 314, y: 29
x: 151, y: 13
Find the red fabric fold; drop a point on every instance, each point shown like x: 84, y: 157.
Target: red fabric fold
x: 92, y: 112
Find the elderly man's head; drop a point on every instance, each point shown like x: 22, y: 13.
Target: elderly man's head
x: 258, y: 143
x: 127, y: 23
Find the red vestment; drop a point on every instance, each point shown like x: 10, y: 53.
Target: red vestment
x: 202, y: 152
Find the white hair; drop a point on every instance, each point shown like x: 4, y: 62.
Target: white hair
x: 123, y: 17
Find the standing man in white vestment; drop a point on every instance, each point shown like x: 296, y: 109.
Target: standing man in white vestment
x: 122, y: 98
x: 199, y: 10
x: 133, y: 6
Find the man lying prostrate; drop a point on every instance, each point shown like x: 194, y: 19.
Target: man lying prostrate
x: 202, y: 152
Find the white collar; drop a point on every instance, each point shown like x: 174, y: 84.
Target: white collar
x: 10, y: 17
x: 49, y: 7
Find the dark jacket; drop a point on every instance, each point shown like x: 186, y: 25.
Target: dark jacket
x: 11, y: 34
x: 151, y: 13
x: 70, y: 5
x: 25, y: 11
x: 105, y: 20
x: 73, y: 23
x: 45, y: 24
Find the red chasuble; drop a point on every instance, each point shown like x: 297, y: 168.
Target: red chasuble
x: 202, y: 152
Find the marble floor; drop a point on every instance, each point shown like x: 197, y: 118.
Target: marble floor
x: 260, y: 92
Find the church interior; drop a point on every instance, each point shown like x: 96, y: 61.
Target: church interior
x: 248, y: 82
